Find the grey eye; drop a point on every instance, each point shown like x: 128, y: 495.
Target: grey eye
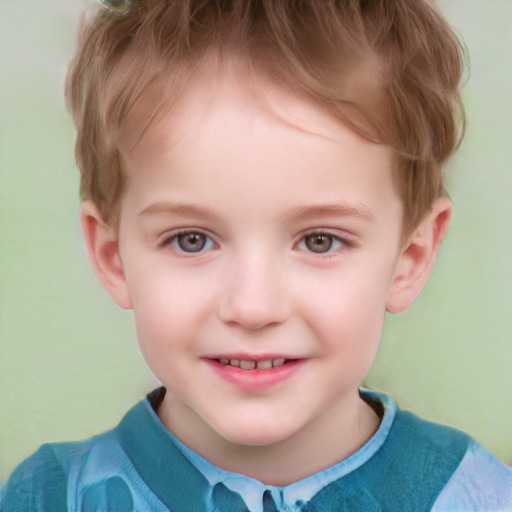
x: 191, y: 242
x: 320, y: 243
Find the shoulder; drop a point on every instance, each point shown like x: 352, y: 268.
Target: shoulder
x: 480, y: 483
x: 442, y: 440
x: 476, y: 481
x: 95, y: 474
x: 45, y: 480
x: 441, y: 467
x: 37, y: 484
x: 418, y: 443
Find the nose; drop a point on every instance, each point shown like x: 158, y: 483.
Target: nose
x: 255, y: 295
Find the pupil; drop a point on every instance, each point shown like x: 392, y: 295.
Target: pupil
x: 191, y: 242
x: 319, y: 243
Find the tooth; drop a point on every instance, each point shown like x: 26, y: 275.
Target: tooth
x: 247, y: 365
x: 223, y: 361
x: 234, y: 362
x: 277, y: 362
x: 264, y: 365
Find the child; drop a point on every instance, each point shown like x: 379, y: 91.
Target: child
x: 261, y: 181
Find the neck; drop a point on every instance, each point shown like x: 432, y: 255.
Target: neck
x: 324, y: 442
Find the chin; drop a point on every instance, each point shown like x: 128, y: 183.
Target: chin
x: 256, y: 433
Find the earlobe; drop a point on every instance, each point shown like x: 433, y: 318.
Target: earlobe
x: 418, y: 256
x: 102, y: 244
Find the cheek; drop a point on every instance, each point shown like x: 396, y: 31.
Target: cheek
x: 168, y: 311
x: 347, y: 307
x: 166, y: 334
x: 162, y: 292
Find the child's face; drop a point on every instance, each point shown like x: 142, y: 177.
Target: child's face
x: 258, y: 229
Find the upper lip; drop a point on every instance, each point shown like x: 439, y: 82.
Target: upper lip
x: 252, y: 357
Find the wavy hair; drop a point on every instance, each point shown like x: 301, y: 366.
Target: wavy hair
x: 391, y: 70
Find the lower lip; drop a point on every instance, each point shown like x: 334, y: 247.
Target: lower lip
x: 256, y: 380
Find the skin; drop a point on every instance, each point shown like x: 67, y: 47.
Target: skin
x: 257, y: 174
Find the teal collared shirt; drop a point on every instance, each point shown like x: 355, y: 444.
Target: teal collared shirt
x: 408, y: 465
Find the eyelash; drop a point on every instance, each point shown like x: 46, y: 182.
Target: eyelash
x: 335, y: 242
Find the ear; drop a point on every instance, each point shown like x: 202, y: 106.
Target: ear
x: 418, y: 256
x: 102, y: 244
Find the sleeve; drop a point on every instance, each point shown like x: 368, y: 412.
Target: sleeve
x: 481, y: 483
x: 37, y: 485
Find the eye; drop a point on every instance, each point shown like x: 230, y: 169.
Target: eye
x: 320, y: 243
x: 191, y: 242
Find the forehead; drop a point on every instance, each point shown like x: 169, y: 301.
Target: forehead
x: 234, y: 129
x: 204, y: 93
x: 227, y: 87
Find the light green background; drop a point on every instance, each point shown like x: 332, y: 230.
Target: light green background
x: 69, y: 362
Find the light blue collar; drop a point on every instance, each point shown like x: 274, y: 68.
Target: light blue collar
x: 286, y: 497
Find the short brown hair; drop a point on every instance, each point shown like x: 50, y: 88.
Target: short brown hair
x: 391, y: 69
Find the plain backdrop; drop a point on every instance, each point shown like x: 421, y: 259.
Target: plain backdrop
x: 69, y: 361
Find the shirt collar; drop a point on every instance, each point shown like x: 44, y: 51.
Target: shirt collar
x: 153, y: 450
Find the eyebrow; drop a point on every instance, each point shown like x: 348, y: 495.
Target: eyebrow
x: 336, y: 210
x: 298, y: 213
x: 168, y: 208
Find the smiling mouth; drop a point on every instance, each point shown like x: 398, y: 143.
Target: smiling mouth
x: 243, y: 364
